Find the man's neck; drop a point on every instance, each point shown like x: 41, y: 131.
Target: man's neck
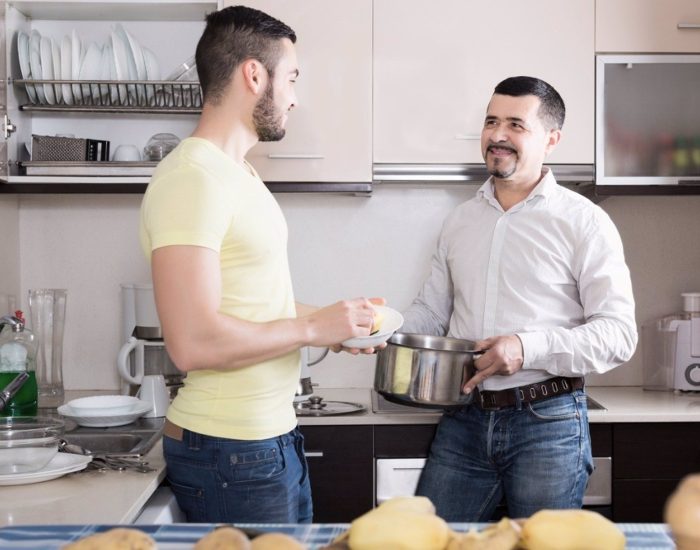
x: 225, y: 128
x: 508, y: 193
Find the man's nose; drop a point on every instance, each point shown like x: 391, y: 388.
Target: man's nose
x: 499, y: 133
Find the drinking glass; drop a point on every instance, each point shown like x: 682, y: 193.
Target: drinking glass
x: 47, y: 309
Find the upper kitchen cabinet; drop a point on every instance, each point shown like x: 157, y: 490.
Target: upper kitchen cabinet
x: 645, y: 26
x: 329, y: 133
x: 436, y: 65
x: 108, y: 71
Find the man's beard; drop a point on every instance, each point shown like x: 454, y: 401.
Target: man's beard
x: 266, y: 118
x: 498, y: 168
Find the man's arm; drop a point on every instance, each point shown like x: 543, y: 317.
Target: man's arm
x: 187, y: 287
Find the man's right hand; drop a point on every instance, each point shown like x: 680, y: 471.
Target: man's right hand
x: 336, y: 323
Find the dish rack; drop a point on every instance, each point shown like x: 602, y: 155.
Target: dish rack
x: 114, y: 96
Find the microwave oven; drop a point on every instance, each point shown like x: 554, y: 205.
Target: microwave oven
x: 647, y: 120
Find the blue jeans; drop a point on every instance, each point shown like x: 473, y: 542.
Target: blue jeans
x: 218, y: 480
x: 535, y: 455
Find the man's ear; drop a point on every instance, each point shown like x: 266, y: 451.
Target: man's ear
x: 254, y: 75
x: 552, y: 141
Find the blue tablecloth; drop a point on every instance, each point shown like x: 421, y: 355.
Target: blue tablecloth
x: 181, y: 536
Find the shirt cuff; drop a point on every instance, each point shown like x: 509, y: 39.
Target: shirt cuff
x: 534, y: 348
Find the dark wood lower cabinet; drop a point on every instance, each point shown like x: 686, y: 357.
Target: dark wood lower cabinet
x: 341, y: 467
x: 649, y: 459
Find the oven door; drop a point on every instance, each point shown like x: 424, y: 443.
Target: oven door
x: 399, y: 477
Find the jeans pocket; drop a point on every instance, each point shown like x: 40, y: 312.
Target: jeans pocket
x: 256, y: 465
x: 191, y: 501
x: 564, y: 407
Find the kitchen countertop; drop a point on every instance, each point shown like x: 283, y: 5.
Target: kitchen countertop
x: 93, y: 497
x: 622, y: 404
x: 83, y: 497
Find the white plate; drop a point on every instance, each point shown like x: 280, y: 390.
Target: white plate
x: 46, y: 52
x: 121, y: 64
x: 75, y: 62
x: 35, y: 63
x: 23, y: 55
x: 56, y: 54
x: 90, y: 70
x: 392, y: 322
x: 139, y: 62
x: 104, y: 405
x: 66, y: 69
x: 105, y: 421
x: 60, y: 465
x: 152, y: 72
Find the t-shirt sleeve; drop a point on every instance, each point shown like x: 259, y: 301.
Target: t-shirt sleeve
x: 187, y: 207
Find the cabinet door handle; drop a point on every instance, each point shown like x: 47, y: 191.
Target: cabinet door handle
x: 301, y: 156
x: 689, y: 25
x: 468, y: 137
x: 313, y: 454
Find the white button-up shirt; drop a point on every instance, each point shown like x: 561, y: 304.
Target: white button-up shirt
x: 551, y: 269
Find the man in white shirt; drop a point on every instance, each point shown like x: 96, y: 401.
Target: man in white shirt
x: 536, y: 275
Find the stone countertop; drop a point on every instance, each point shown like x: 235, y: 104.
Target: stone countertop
x: 83, y: 497
x: 622, y: 404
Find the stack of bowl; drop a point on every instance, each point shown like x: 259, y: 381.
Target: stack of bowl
x: 28, y: 443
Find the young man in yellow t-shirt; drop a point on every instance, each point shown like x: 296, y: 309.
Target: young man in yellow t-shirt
x: 217, y: 242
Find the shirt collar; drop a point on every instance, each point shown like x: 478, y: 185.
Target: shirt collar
x: 544, y: 188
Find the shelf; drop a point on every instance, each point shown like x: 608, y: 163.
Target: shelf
x: 24, y: 185
x: 124, y: 10
x: 118, y: 96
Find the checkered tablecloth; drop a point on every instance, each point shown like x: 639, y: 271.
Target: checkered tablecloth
x: 181, y: 536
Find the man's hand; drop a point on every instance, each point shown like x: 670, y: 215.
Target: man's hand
x: 502, y: 355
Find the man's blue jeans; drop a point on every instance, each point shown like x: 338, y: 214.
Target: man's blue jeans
x: 218, y: 480
x: 534, y: 455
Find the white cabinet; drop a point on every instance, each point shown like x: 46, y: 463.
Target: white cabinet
x: 329, y: 134
x: 169, y: 29
x: 644, y: 26
x: 436, y: 65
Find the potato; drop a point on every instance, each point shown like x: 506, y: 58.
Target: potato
x: 502, y: 536
x: 571, y: 530
x: 682, y: 513
x: 276, y: 541
x: 224, y: 538
x: 377, y: 322
x: 119, y: 538
x: 410, y: 504
x: 397, y: 529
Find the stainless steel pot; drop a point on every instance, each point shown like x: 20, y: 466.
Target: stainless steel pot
x: 425, y: 371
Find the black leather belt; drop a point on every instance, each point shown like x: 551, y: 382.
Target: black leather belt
x: 493, y: 400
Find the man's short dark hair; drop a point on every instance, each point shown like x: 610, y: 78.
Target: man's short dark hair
x: 232, y: 36
x: 552, y: 110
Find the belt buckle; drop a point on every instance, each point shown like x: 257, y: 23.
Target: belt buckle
x: 484, y: 405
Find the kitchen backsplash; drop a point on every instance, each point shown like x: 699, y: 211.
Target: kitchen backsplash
x: 339, y: 247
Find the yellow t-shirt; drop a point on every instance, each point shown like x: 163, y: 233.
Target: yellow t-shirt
x: 200, y: 196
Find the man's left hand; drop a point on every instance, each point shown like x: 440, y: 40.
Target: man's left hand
x: 503, y: 355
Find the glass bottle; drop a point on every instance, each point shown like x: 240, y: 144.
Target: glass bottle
x: 17, y: 355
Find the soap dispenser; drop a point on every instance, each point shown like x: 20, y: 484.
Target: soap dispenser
x: 17, y: 355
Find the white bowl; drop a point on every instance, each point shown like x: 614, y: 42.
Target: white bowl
x: 103, y: 405
x: 392, y: 322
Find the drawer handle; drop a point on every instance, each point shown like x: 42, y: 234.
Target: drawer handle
x: 301, y: 156
x: 313, y: 454
x: 468, y: 137
x: 689, y: 25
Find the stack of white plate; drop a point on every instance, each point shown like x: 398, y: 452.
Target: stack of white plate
x: 120, y: 58
x: 60, y: 465
x: 101, y: 411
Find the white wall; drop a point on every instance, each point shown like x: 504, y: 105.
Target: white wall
x: 340, y: 246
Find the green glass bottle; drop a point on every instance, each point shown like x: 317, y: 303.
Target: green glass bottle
x: 17, y: 355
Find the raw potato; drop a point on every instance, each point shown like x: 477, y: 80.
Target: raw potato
x: 397, y: 527
x: 119, y: 538
x: 571, y: 530
x: 421, y: 505
x: 682, y: 513
x: 502, y: 536
x: 377, y: 323
x: 276, y: 541
x: 224, y: 538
